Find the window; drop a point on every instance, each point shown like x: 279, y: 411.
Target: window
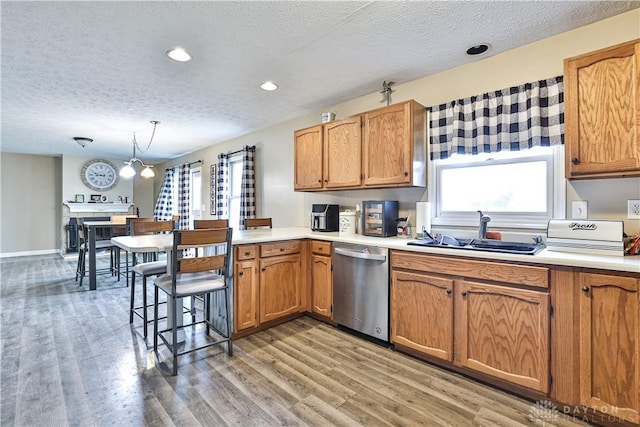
x: 235, y: 187
x: 195, y: 188
x: 518, y: 189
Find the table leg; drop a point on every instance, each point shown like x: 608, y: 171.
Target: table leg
x: 92, y: 258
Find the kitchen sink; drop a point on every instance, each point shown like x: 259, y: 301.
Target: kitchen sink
x: 480, y: 245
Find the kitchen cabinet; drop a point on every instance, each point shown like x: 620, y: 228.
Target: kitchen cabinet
x: 602, y: 112
x: 503, y: 332
x: 496, y: 323
x: 422, y: 313
x: 386, y: 147
x: 321, y: 279
x: 267, y: 283
x: 308, y: 157
x: 394, y: 145
x: 245, y: 285
x: 342, y: 163
x: 609, y: 311
x: 280, y: 280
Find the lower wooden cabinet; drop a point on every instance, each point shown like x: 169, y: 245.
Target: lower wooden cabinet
x: 422, y: 313
x: 610, y: 344
x: 267, y: 283
x: 457, y: 311
x: 503, y: 332
x: 280, y: 290
x: 321, y: 279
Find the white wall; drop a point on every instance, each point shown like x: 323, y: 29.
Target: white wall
x: 540, y: 60
x: 72, y: 183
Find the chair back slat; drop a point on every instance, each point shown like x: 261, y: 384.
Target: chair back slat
x: 151, y: 227
x: 131, y: 221
x: 257, y: 222
x: 199, y: 224
x: 206, y: 237
x: 199, y: 264
x: 184, y: 239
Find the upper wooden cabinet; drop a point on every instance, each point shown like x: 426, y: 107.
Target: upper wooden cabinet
x: 394, y: 148
x: 342, y: 153
x: 386, y: 147
x: 308, y: 158
x: 602, y: 112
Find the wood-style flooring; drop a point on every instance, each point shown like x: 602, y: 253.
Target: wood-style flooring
x: 70, y: 358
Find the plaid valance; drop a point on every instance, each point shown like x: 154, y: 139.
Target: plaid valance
x: 513, y: 119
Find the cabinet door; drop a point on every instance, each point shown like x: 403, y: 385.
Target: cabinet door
x: 308, y: 153
x: 322, y: 285
x: 280, y: 285
x: 422, y: 313
x: 245, y: 295
x: 602, y: 112
x: 342, y: 155
x: 504, y: 332
x: 388, y: 145
x: 610, y: 344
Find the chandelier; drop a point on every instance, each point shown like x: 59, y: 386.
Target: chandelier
x: 127, y: 170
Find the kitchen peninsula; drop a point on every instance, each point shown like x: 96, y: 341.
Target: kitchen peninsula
x: 530, y: 324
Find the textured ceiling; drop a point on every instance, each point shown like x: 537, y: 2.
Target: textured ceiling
x: 99, y: 69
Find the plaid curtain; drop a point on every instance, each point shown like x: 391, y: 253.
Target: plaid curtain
x: 184, y: 202
x: 513, y: 119
x: 222, y: 209
x: 164, y: 203
x: 248, y: 186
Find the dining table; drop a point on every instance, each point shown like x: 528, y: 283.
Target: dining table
x: 91, y: 228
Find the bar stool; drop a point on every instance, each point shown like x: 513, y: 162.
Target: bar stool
x: 257, y: 222
x: 191, y: 276
x: 146, y: 269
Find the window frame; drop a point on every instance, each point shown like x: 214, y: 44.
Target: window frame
x: 556, y: 191
x: 238, y: 158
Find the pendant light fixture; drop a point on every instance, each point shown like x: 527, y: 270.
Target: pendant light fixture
x: 127, y: 170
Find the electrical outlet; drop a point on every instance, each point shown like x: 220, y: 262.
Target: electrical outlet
x: 633, y: 209
x: 579, y: 209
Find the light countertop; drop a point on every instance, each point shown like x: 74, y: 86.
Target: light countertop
x: 614, y: 263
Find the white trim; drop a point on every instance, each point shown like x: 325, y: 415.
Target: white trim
x: 29, y: 253
x: 97, y: 207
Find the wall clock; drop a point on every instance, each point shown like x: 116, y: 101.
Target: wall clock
x: 99, y: 175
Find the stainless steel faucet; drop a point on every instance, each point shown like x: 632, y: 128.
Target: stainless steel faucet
x: 482, y: 228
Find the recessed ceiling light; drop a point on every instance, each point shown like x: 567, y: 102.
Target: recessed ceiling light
x: 478, y: 49
x: 269, y: 86
x: 179, y: 54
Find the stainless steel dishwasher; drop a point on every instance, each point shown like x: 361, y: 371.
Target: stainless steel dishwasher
x: 361, y: 289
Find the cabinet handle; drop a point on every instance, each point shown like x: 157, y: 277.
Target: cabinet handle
x: 575, y: 161
x: 464, y: 293
x: 247, y: 253
x: 585, y: 289
x: 319, y: 180
x: 264, y: 268
x: 241, y: 273
x: 448, y: 291
x: 326, y: 180
x: 406, y: 174
x: 281, y: 249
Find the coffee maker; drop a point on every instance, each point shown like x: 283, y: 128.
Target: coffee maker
x: 325, y: 217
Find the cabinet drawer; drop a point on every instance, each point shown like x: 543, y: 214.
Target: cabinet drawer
x: 280, y: 248
x: 321, y: 248
x: 245, y: 252
x: 527, y: 275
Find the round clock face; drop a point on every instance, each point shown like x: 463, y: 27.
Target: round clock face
x: 99, y: 175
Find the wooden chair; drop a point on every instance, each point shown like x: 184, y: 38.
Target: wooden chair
x: 257, y: 222
x: 194, y: 276
x: 121, y: 231
x: 200, y: 224
x: 146, y: 268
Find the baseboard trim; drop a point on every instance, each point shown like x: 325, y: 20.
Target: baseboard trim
x: 30, y: 253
